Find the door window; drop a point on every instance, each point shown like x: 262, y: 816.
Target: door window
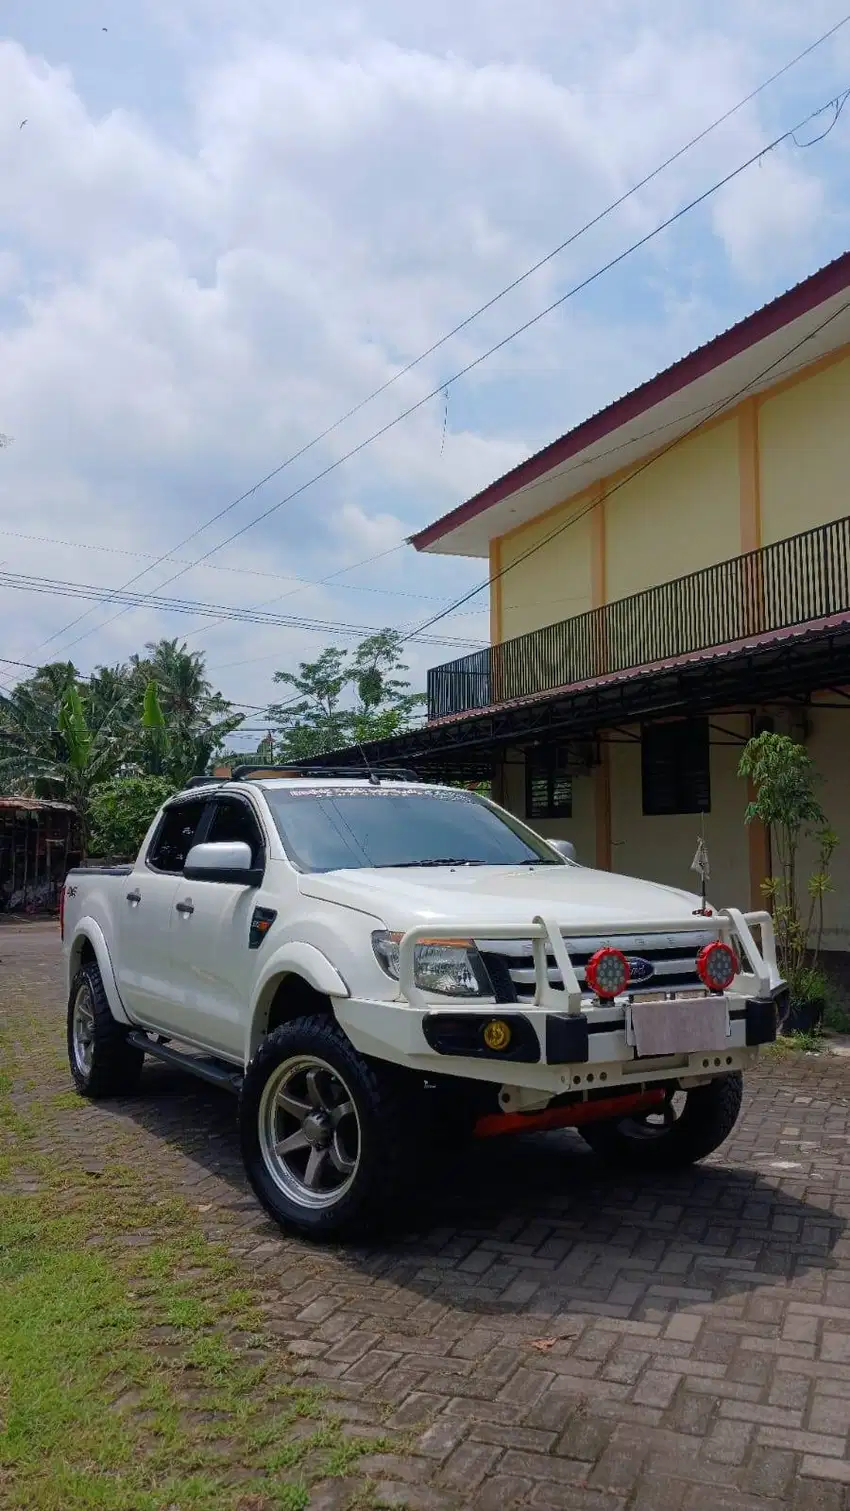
x: 175, y: 837
x: 233, y: 821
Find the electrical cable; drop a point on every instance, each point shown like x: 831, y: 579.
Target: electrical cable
x: 629, y: 478
x: 596, y: 220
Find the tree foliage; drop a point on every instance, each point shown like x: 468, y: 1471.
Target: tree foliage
x: 63, y: 736
x: 344, y: 698
x: 121, y: 812
x: 784, y: 781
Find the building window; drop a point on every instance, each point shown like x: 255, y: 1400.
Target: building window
x: 548, y: 787
x: 675, y: 767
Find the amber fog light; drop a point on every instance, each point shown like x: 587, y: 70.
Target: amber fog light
x: 496, y: 1034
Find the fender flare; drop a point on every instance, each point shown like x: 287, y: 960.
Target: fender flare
x: 89, y: 931
x: 293, y: 959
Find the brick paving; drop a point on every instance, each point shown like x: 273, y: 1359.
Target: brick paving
x: 553, y: 1337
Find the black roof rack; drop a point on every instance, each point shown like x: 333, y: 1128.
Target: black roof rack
x: 373, y: 774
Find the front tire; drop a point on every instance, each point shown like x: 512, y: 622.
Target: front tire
x: 327, y: 1136
x: 102, y: 1063
x: 676, y: 1137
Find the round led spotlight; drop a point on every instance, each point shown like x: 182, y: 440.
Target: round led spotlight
x: 608, y: 973
x: 717, y: 966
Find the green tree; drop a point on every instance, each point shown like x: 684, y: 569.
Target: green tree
x: 385, y: 704
x: 49, y: 748
x: 122, y: 810
x: 194, y: 721
x: 784, y: 780
x: 345, y: 697
x: 314, y: 720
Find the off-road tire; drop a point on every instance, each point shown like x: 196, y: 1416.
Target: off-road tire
x: 114, y: 1066
x: 389, y: 1157
x: 709, y: 1115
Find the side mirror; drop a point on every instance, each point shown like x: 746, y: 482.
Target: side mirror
x: 564, y: 847
x: 229, y: 861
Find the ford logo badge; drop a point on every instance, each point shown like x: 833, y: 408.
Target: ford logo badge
x: 641, y: 970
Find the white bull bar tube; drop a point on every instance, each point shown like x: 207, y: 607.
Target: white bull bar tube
x: 548, y: 936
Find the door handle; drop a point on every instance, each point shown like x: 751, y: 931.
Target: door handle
x: 134, y: 896
x: 185, y: 907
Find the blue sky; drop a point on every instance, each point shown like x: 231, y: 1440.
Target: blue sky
x: 224, y: 224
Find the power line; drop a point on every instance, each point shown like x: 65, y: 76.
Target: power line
x: 26, y: 582
x: 650, y: 462
x: 303, y: 582
x: 509, y: 288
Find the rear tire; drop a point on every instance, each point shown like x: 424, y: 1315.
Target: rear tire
x: 102, y: 1063
x: 677, y: 1141
x: 328, y: 1137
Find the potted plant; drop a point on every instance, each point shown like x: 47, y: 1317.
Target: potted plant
x: 784, y: 779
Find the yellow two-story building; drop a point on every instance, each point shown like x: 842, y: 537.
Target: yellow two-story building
x: 666, y: 579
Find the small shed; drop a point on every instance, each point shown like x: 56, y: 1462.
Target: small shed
x: 39, y: 843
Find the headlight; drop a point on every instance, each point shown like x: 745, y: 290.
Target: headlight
x: 450, y: 967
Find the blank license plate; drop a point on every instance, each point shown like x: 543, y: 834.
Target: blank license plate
x: 676, y: 1028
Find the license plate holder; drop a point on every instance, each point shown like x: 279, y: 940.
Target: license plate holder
x: 678, y: 1026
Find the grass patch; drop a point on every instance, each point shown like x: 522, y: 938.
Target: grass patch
x: 119, y: 1389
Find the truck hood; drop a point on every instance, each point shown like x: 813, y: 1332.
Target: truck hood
x: 472, y: 896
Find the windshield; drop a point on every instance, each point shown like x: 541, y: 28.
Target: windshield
x: 341, y: 829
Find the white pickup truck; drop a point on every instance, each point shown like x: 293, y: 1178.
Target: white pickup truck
x: 377, y: 966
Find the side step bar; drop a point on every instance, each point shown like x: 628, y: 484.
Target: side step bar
x: 214, y: 1071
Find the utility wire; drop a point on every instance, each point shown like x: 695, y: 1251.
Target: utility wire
x: 650, y: 462
x: 501, y: 294
x: 53, y: 587
x: 835, y: 104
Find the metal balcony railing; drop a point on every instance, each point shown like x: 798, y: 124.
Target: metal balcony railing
x: 803, y: 578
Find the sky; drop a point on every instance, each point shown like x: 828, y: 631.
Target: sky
x: 223, y: 225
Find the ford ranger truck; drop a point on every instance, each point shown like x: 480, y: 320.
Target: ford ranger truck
x: 379, y: 967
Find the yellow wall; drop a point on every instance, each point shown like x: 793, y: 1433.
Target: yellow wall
x: 804, y: 444
x: 678, y: 515
x: 556, y: 582
x: 661, y: 849
x: 580, y: 829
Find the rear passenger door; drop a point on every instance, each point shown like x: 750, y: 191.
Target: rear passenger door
x: 210, y: 960
x: 143, y: 918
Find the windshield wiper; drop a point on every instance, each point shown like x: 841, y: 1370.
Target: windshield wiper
x: 448, y: 860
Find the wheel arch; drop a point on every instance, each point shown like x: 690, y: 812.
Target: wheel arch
x: 89, y: 946
x: 299, y: 982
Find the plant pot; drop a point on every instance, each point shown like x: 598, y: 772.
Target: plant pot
x: 804, y: 1017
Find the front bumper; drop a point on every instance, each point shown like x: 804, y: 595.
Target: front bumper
x: 563, y: 1042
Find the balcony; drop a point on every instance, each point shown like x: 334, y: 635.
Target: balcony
x: 797, y: 581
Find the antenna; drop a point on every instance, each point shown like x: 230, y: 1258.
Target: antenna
x: 374, y: 779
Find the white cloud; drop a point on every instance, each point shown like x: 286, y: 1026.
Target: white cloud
x: 186, y: 298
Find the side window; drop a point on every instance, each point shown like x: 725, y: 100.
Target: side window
x: 175, y: 837
x: 676, y: 767
x: 233, y: 820
x: 548, y: 785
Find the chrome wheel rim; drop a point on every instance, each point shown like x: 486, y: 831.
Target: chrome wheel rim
x: 657, y: 1123
x: 82, y: 1031
x: 309, y: 1132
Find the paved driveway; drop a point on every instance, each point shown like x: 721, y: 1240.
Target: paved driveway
x: 553, y: 1336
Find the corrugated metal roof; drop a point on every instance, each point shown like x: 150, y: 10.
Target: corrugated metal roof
x: 801, y: 299
x: 36, y: 804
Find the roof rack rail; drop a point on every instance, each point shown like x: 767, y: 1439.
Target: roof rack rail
x: 373, y: 774
x: 206, y: 781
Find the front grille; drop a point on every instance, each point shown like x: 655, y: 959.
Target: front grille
x: 672, y: 957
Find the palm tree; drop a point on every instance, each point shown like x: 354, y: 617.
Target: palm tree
x: 186, y: 722
x: 49, y: 749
